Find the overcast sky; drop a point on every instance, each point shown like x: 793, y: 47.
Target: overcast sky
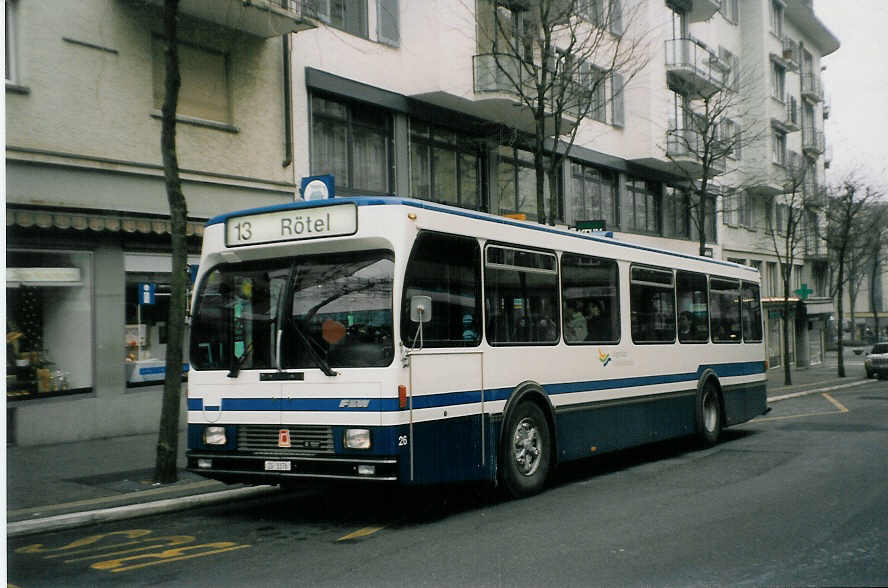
x: 856, y: 82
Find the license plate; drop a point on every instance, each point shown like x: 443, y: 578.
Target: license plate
x: 277, y: 466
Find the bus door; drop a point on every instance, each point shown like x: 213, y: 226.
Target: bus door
x: 447, y: 419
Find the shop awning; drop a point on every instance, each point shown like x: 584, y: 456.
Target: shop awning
x: 83, y: 221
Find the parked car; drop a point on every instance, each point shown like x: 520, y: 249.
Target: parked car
x: 876, y: 361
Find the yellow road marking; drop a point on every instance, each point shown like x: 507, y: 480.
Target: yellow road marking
x: 835, y: 402
x: 116, y: 498
x: 361, y: 533
x: 180, y: 558
x: 841, y: 409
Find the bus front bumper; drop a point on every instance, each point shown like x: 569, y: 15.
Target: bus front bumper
x: 274, y: 469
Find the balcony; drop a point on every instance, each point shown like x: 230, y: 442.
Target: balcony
x: 813, y: 143
x: 785, y: 116
x: 262, y: 18
x: 827, y: 106
x: 684, y: 148
x: 812, y: 89
x: 791, y: 53
x: 827, y: 157
x: 696, y: 10
x: 694, y: 69
x: 504, y: 78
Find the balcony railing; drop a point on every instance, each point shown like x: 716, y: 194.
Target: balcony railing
x: 686, y: 146
x: 501, y: 73
x: 791, y: 52
x: 811, y: 87
x: 813, y: 142
x: 695, y: 68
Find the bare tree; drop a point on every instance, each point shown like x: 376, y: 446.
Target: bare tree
x: 557, y: 57
x: 788, y: 233
x: 168, y: 436
x: 875, y: 236
x: 845, y: 206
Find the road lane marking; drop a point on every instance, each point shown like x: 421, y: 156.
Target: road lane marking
x: 168, y: 556
x: 365, y: 532
x: 841, y: 409
x: 817, y: 391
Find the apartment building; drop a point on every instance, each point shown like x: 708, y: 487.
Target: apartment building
x: 86, y: 208
x: 388, y: 97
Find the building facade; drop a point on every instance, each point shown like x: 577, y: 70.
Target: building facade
x: 389, y: 98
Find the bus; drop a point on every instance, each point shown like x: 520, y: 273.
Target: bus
x: 394, y: 340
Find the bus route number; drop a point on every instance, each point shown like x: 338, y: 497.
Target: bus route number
x: 244, y: 231
x: 402, y: 440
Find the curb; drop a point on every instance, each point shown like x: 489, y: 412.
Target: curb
x: 79, y: 519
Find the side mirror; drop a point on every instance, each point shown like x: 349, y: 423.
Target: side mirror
x: 421, y: 309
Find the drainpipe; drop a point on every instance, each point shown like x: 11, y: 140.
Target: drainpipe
x: 288, y: 103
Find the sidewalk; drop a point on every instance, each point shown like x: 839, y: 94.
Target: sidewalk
x: 73, y: 484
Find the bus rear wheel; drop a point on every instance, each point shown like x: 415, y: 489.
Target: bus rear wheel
x: 709, y: 415
x: 527, y: 451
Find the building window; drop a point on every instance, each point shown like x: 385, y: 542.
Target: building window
x: 205, y: 93
x: 388, y: 28
x: 778, y: 81
x: 444, y: 166
x: 595, y: 194
x: 516, y: 184
x: 730, y: 10
x: 640, y: 206
x: 778, y: 147
x: 776, y: 14
x: 49, y: 296
x: 346, y: 15
x: 676, y: 211
x: 351, y: 142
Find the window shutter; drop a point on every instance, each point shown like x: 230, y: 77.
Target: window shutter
x: 616, y: 17
x: 387, y: 23
x: 618, y: 115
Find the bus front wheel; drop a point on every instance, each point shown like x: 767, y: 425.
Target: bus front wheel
x: 709, y: 415
x: 527, y: 451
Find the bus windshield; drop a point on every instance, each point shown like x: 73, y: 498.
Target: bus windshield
x: 339, y: 304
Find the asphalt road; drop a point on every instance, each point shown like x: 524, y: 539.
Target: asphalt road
x: 797, y: 497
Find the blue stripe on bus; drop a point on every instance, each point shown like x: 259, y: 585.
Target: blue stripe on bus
x: 395, y: 200
x: 472, y: 396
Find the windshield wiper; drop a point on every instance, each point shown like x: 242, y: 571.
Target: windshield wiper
x: 238, y: 362
x: 309, y: 346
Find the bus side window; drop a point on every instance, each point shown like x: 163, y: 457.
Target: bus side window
x: 590, y: 305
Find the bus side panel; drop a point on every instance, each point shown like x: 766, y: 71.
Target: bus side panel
x: 447, y: 450
x: 744, y: 402
x: 604, y: 427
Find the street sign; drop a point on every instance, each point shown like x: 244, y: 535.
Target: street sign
x: 590, y: 225
x: 146, y: 293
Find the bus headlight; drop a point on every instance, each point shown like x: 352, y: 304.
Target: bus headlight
x: 357, y: 438
x: 214, y: 436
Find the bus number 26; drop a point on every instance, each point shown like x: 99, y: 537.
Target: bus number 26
x: 402, y: 440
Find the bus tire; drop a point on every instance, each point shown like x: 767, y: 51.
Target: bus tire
x: 527, y: 451
x: 709, y: 414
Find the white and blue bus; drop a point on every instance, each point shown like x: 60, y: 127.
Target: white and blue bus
x: 397, y: 340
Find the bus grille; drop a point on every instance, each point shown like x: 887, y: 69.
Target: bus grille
x: 304, y: 440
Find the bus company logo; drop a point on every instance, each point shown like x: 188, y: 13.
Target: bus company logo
x: 354, y: 403
x: 604, y: 358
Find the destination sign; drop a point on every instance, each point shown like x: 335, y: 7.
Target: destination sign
x: 291, y: 225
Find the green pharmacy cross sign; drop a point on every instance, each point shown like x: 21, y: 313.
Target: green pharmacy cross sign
x: 804, y: 292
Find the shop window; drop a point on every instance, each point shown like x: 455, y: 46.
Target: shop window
x: 49, y: 329
x: 444, y: 166
x: 595, y: 193
x: 351, y: 142
x: 516, y: 184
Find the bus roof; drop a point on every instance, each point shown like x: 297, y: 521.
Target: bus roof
x: 400, y: 201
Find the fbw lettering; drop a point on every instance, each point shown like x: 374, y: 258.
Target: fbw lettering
x: 299, y: 225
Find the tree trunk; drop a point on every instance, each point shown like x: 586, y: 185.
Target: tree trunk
x: 787, y: 368
x: 874, y: 277
x: 840, y: 320
x: 168, y: 436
